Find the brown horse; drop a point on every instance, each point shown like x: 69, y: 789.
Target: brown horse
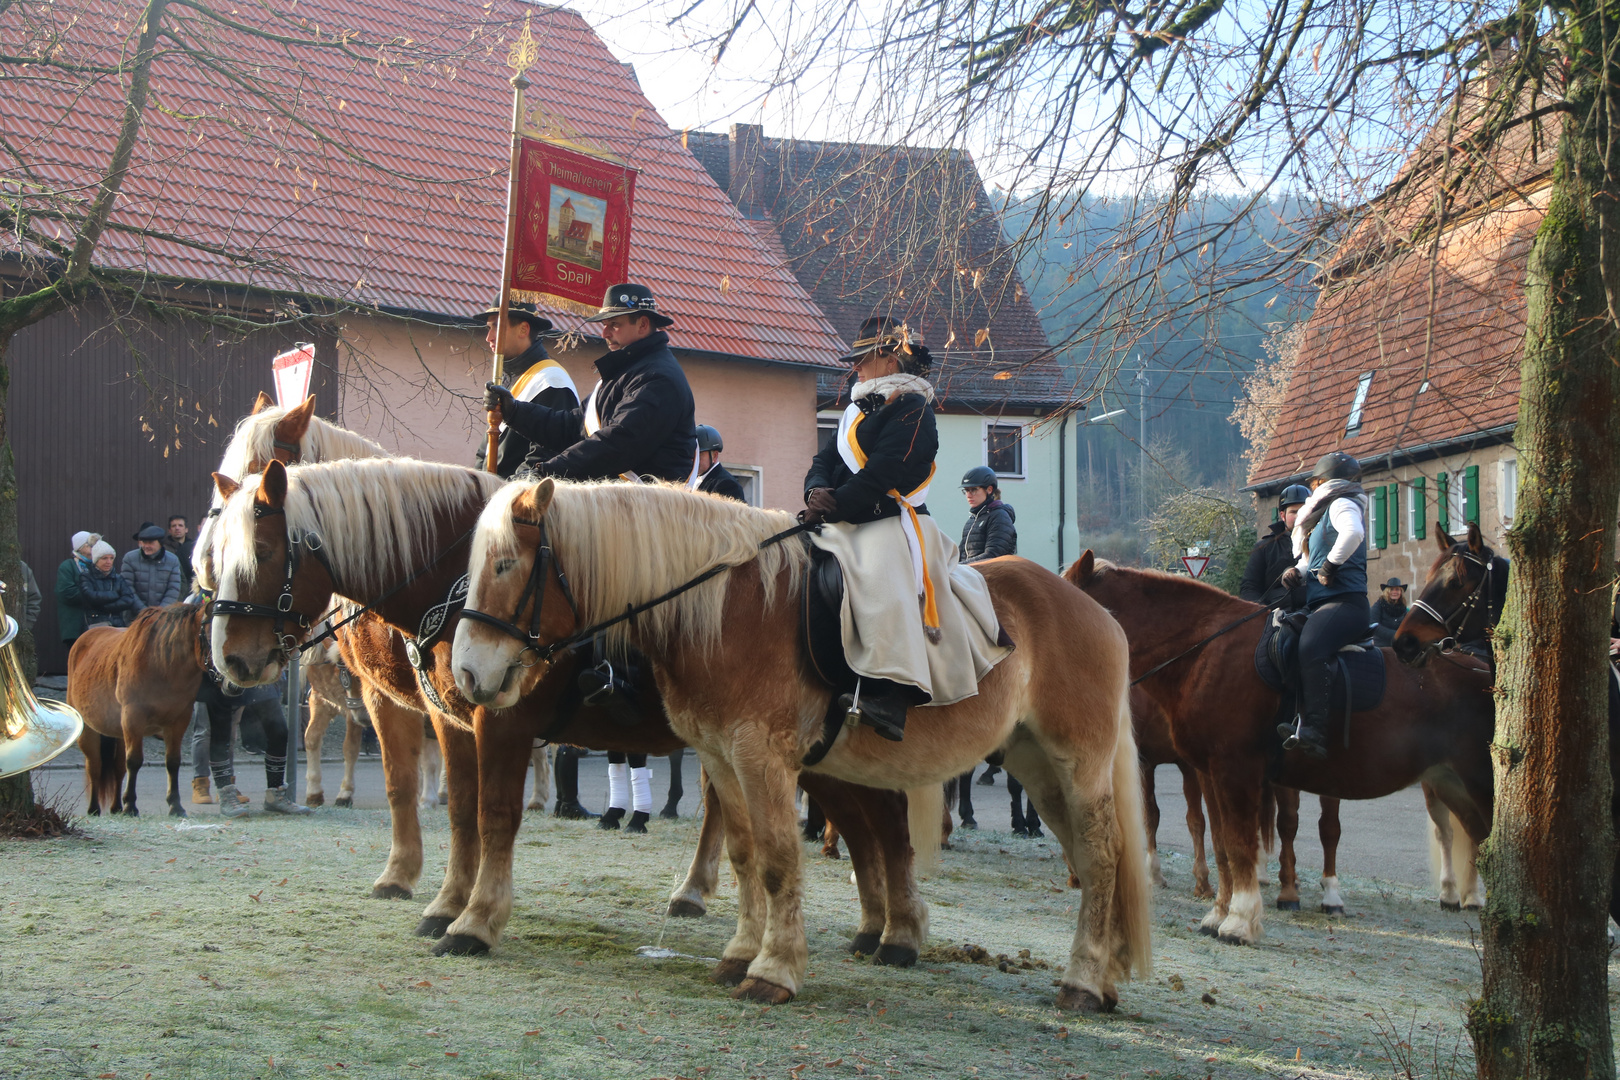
x: 726, y: 656
x: 374, y: 521
x: 128, y: 684
x: 1432, y: 725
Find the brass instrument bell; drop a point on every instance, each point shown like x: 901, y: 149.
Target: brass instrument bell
x: 32, y: 731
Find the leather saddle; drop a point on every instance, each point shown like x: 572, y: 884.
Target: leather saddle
x: 1360, y: 667
x: 821, y: 625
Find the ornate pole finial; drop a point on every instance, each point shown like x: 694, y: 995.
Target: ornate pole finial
x: 524, y: 52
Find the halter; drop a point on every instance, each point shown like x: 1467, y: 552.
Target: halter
x: 1463, y: 611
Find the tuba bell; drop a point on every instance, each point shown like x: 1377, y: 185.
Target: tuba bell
x: 32, y: 731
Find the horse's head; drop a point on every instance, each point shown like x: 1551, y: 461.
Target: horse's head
x: 517, y: 599
x: 270, y: 587
x: 1455, y: 604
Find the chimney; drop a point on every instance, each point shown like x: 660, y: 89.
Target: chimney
x: 748, y: 170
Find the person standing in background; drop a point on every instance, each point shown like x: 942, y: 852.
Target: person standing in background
x: 178, y: 541
x: 69, y: 601
x: 152, y: 572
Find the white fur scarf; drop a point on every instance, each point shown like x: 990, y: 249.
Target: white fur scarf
x: 1319, y: 498
x: 889, y: 386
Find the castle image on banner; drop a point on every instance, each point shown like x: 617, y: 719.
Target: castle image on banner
x: 576, y: 224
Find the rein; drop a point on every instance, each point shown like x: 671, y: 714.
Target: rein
x: 1227, y: 629
x: 535, y: 587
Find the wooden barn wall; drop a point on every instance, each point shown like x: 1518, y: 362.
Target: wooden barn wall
x: 119, y: 421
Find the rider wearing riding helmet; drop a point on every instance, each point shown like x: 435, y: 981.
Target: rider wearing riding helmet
x: 1330, y: 543
x: 988, y: 532
x: 1272, y: 556
x: 712, y: 476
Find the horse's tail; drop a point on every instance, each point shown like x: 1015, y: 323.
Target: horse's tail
x: 1268, y: 818
x: 1132, y: 893
x: 925, y: 806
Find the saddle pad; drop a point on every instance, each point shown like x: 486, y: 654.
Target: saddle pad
x: 1365, y: 666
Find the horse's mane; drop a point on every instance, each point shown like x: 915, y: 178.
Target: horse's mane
x: 623, y: 544
x: 373, y: 515
x: 1193, y: 585
x: 255, y: 441
x: 169, y: 633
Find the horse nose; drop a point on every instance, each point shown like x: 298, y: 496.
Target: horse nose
x: 467, y: 682
x: 238, y: 669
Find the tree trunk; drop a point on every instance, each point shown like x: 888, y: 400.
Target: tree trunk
x: 1544, y: 1008
x: 16, y: 792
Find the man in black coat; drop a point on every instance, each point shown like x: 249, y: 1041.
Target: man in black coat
x: 1262, y: 578
x: 988, y: 532
x: 712, y: 476
x: 533, y: 377
x: 637, y: 422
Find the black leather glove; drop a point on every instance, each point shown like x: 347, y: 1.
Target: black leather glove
x: 497, y: 397
x: 1328, y: 572
x: 821, y: 503
x: 1291, y: 578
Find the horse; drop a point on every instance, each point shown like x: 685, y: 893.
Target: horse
x: 1192, y: 652
x: 726, y: 655
x: 131, y: 683
x: 330, y: 698
x: 394, y: 533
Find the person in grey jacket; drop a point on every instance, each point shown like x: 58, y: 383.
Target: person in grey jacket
x: 989, y: 532
x: 152, y: 570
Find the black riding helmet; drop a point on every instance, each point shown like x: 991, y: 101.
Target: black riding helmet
x: 1293, y: 495
x: 708, y: 438
x: 979, y: 476
x: 1337, y: 465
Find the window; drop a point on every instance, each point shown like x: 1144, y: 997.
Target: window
x: 1508, y: 488
x: 1395, y: 512
x: 1418, y: 510
x: 1380, y: 536
x: 826, y: 429
x: 1004, y: 449
x: 1361, y: 400
x: 752, y: 480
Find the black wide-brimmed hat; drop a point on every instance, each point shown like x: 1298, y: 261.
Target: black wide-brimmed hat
x: 1393, y: 583
x: 879, y: 333
x: 629, y: 299
x: 150, y: 531
x: 517, y: 309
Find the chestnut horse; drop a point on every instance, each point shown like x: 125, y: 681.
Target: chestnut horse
x: 394, y: 533
x: 1433, y: 725
x: 726, y: 654
x: 131, y: 683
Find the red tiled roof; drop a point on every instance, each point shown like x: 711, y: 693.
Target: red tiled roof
x: 298, y: 217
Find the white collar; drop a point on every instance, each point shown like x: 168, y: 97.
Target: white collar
x: 890, y: 386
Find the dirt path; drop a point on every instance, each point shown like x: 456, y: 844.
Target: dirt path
x: 213, y: 952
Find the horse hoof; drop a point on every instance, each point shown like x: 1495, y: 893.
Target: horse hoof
x: 177, y: 811
x: 1333, y: 909
x: 433, y: 926
x: 682, y: 908
x: 315, y: 798
x: 1207, y: 931
x: 895, y: 956
x: 730, y: 972
x: 1450, y: 905
x: 1231, y: 939
x: 1203, y: 892
x: 1471, y: 906
x: 344, y: 802
x: 1074, y: 999
x: 130, y: 811
x: 1287, y: 905
x: 866, y: 944
x: 767, y: 993
x: 460, y: 945
x: 390, y: 892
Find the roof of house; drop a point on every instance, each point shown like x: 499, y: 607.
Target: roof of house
x: 421, y: 234
x: 1429, y: 310
x: 903, y: 231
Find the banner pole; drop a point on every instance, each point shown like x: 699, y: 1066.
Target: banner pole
x: 492, y: 450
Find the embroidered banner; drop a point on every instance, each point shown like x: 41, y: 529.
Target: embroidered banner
x: 571, y: 236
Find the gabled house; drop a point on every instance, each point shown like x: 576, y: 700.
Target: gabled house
x: 910, y: 232
x: 381, y: 268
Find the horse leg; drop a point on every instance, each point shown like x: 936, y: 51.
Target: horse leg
x: 172, y: 738
x: 1237, y: 794
x: 1194, y: 794
x: 459, y: 750
x: 1222, y: 895
x: 672, y: 805
x: 427, y: 792
x: 815, y: 818
x: 1440, y: 841
x: 830, y: 835
x: 767, y: 782
x: 354, y: 736
x: 1471, y: 886
x: 90, y: 747
x: 502, y: 771
x: 1327, y: 827
x: 321, y: 713
x: 744, y: 945
x: 399, y: 740
x: 540, y: 758
x: 1150, y: 811
x: 1287, y: 829
x: 686, y: 902
x: 905, y: 921
x: 134, y: 757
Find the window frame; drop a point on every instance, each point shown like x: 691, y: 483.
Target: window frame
x: 1507, y: 489
x: 752, y: 479
x: 1023, y: 460
x: 1363, y: 385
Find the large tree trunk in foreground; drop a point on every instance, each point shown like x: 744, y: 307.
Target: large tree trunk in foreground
x: 1544, y: 1008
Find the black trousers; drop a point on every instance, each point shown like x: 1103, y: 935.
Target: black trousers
x: 1331, y: 626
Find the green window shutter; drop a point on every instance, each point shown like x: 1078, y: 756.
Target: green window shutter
x: 1420, y: 511
x: 1276, y: 514
x: 1442, y: 503
x: 1395, y: 513
x: 1471, y: 493
x: 1379, y: 538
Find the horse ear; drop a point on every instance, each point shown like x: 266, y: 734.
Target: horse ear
x: 1476, y: 542
x: 225, y: 485
x: 273, y: 486
x: 537, y: 500
x: 261, y: 403
x: 1442, y: 541
x: 291, y: 428
x: 1080, y: 571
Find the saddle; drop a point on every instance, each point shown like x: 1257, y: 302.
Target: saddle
x: 821, y: 615
x: 1358, y: 682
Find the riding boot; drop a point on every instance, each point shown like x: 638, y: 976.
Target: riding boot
x: 1316, y: 692
x: 884, y: 711
x: 567, y: 773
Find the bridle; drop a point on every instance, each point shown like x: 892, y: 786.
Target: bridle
x: 533, y: 589
x: 1454, y: 623
x: 283, y: 612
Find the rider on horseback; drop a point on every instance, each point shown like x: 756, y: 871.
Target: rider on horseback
x: 1330, y: 542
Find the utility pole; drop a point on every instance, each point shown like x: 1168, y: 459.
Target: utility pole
x: 1141, y: 441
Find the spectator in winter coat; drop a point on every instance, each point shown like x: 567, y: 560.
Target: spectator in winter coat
x: 179, y: 541
x: 1388, y: 611
x: 988, y: 532
x: 23, y: 603
x: 106, y: 596
x: 69, y: 604
x: 153, y: 571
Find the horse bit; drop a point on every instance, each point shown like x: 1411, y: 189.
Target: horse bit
x: 1463, y: 611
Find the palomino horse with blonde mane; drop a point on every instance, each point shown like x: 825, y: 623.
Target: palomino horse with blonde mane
x: 394, y: 535
x: 717, y: 602
x: 1192, y: 651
